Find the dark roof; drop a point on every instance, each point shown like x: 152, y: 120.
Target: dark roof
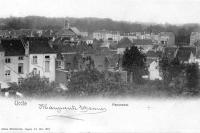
x: 124, y: 43
x: 39, y: 45
x: 12, y: 47
x: 183, y: 53
x: 142, y: 41
x: 68, y: 32
x: 63, y: 45
x: 152, y: 54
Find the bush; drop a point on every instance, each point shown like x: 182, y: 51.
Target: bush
x: 35, y: 86
x: 95, y: 83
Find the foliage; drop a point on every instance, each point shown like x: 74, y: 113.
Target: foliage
x: 134, y: 61
x: 34, y: 86
x: 94, y: 24
x: 179, y: 78
x: 94, y: 83
x: 192, y: 73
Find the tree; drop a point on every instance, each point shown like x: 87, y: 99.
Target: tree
x: 35, y: 86
x: 192, y: 74
x: 170, y: 69
x: 134, y: 61
x: 91, y: 82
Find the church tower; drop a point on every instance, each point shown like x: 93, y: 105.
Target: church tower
x: 66, y: 25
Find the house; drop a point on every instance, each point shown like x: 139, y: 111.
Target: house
x: 186, y: 54
x: 194, y: 37
x: 170, y: 52
x: 113, y: 62
x: 143, y: 44
x: 153, y: 69
x: 88, y: 40
x: 123, y: 44
x: 166, y: 38
x: 106, y: 35
x: 152, y: 56
x: 41, y: 57
x: 69, y: 33
x: 14, y: 61
x: 5, y: 34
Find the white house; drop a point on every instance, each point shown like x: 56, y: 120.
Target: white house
x: 13, y: 61
x: 41, y: 58
x: 154, y: 71
x: 20, y: 57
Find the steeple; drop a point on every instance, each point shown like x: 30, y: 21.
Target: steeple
x: 66, y: 26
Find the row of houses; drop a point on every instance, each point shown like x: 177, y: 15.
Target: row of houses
x: 55, y: 58
x: 167, y: 38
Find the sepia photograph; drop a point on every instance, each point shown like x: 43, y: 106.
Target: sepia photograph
x: 99, y: 66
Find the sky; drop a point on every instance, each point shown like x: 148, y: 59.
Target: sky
x: 156, y: 11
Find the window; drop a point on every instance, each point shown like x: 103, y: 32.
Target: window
x: 20, y: 80
x: 47, y: 57
x: 7, y: 60
x: 7, y: 73
x: 20, y: 68
x: 68, y: 66
x: 34, y: 60
x: 21, y: 58
x: 60, y: 64
x: 47, y: 65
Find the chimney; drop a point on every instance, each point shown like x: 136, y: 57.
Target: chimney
x: 27, y: 48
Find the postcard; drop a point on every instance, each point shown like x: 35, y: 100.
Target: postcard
x: 99, y: 66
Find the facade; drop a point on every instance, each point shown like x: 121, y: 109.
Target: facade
x: 13, y: 61
x: 166, y: 38
x: 154, y: 71
x: 42, y: 57
x: 107, y: 35
x: 43, y: 64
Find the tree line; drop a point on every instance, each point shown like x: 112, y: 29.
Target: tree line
x: 182, y: 32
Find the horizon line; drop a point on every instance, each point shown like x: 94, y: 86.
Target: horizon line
x: 115, y: 20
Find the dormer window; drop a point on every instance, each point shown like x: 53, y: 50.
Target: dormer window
x: 7, y: 60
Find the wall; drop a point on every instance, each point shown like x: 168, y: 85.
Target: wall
x: 13, y: 67
x: 40, y: 66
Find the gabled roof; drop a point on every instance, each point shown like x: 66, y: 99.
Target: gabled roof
x: 124, y: 43
x: 39, y: 45
x: 183, y: 53
x: 170, y: 52
x: 75, y: 30
x: 12, y: 47
x: 113, y: 59
x: 69, y: 32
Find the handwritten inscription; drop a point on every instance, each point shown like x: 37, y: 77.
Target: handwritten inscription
x: 63, y: 111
